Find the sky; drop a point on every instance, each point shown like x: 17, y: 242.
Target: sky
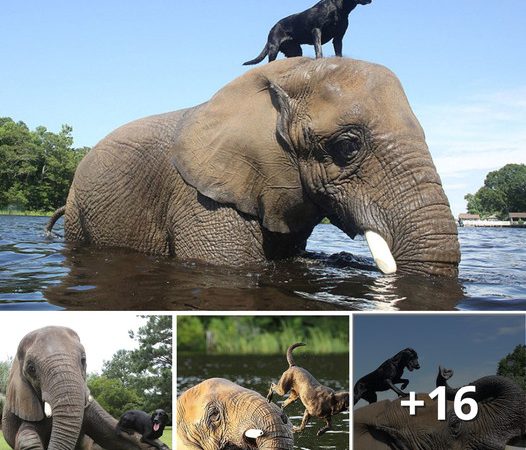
x: 471, y: 345
x: 99, y: 64
x: 101, y: 334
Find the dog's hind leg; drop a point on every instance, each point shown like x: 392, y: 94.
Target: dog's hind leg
x: 273, y: 51
x: 316, y: 37
x: 370, y: 396
x: 304, y: 421
x: 291, y: 49
x: 326, y: 427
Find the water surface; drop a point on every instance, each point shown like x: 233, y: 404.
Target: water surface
x: 336, y: 274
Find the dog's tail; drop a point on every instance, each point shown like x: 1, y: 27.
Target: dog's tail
x: 290, y: 360
x: 53, y: 219
x: 258, y: 58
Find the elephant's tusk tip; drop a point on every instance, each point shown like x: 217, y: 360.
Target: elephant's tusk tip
x: 381, y: 253
x: 253, y: 433
x: 47, y: 409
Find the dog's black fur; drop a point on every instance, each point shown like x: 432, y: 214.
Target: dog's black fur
x: 326, y: 20
x: 386, y: 376
x: 150, y: 427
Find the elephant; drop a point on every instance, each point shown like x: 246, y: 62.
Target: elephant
x: 501, y: 417
x: 48, y: 404
x: 219, y: 414
x: 245, y: 177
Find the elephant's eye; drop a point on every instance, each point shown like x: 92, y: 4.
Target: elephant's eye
x: 213, y: 416
x: 31, y: 368
x: 344, y: 148
x: 455, y: 425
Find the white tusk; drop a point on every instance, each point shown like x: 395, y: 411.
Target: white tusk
x: 47, y: 409
x: 90, y: 398
x: 253, y: 433
x: 381, y: 254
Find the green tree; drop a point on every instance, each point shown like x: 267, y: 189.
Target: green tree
x: 5, y: 367
x: 513, y: 366
x: 113, y: 395
x: 148, y: 369
x: 190, y: 334
x: 36, y: 167
x: 504, y: 191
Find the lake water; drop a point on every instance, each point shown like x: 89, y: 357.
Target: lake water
x: 257, y: 372
x: 337, y: 274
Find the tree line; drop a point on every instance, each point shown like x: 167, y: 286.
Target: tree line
x: 36, y: 166
x: 261, y: 335
x: 504, y: 191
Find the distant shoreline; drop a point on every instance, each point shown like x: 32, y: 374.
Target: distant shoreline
x: 7, y: 212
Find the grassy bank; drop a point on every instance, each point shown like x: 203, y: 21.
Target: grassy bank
x: 261, y: 335
x: 13, y: 212
x: 3, y: 443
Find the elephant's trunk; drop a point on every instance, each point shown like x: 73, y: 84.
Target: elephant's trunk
x: 414, y: 214
x: 275, y: 427
x: 432, y: 246
x: 65, y: 395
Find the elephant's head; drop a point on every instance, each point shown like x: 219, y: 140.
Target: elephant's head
x: 218, y: 414
x: 299, y: 139
x: 501, y: 416
x: 47, y: 381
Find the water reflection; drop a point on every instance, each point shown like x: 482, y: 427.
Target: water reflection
x: 335, y: 273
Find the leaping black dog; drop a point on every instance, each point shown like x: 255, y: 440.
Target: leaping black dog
x: 386, y: 376
x: 150, y: 427
x: 326, y: 20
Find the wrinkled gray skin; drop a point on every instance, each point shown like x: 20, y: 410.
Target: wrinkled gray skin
x: 501, y: 417
x: 50, y: 366
x: 215, y: 415
x: 246, y: 176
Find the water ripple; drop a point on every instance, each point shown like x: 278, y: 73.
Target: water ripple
x: 335, y: 273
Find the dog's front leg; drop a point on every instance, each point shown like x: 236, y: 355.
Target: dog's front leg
x: 270, y: 392
x: 404, y: 382
x: 316, y: 37
x: 304, y: 421
x: 394, y: 388
x: 292, y: 398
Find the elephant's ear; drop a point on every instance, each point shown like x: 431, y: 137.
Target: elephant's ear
x: 21, y: 398
x: 237, y: 150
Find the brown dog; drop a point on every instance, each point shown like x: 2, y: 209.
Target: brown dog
x: 319, y: 401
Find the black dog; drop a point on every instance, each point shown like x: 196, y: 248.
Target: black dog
x: 326, y: 20
x: 150, y: 427
x: 386, y: 376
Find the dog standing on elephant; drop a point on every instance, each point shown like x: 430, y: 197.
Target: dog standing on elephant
x: 386, y: 376
x: 326, y: 20
x: 319, y: 401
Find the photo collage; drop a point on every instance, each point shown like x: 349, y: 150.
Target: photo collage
x: 205, y: 249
